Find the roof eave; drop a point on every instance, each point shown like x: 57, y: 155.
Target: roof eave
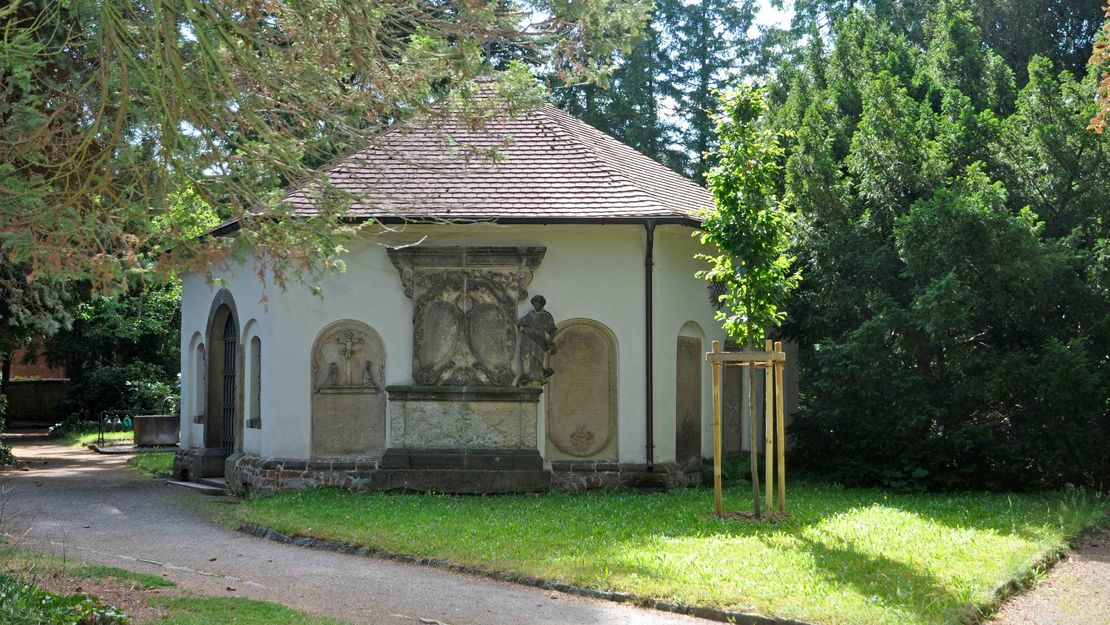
x: 232, y: 226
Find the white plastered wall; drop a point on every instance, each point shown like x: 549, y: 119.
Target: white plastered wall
x: 589, y: 271
x: 680, y: 298
x: 593, y: 272
x: 255, y: 318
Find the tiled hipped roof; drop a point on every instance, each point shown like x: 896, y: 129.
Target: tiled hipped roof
x: 550, y: 166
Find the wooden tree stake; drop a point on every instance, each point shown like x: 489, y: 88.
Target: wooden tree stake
x: 753, y: 443
x: 780, y: 429
x: 717, y: 430
x: 769, y: 428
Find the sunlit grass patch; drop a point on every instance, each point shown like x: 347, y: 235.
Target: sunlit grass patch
x: 90, y: 438
x: 152, y: 463
x: 843, y: 556
x: 236, y: 610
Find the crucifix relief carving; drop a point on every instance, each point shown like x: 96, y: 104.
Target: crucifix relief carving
x: 464, y: 311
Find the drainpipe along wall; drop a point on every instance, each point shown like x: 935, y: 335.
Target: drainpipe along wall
x: 649, y: 361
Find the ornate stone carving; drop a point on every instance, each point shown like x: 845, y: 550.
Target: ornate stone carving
x: 537, y: 339
x: 464, y: 310
x: 582, y: 439
x: 348, y: 402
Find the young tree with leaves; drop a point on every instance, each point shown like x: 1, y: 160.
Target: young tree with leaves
x: 749, y: 229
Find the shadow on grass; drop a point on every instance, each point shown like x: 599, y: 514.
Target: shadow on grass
x: 888, y: 581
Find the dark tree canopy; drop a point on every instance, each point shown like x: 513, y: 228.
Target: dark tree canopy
x: 954, y: 242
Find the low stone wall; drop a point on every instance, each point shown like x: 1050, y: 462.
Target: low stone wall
x: 254, y: 476
x: 573, y: 475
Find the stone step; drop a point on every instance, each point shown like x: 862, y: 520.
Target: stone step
x: 204, y: 489
x: 216, y: 482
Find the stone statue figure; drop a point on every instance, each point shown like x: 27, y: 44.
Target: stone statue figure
x: 368, y: 374
x: 333, y: 375
x: 537, y: 338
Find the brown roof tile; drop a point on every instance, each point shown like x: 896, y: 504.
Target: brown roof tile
x: 549, y: 165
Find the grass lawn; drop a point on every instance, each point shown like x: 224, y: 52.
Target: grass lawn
x: 84, y: 440
x: 152, y: 463
x: 844, y: 556
x: 206, y: 611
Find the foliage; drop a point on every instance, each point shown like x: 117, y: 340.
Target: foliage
x: 747, y: 227
x: 152, y: 464
x: 22, y: 604
x: 71, y: 428
x: 121, y: 353
x: 110, y: 106
x: 30, y: 307
x: 1100, y: 59
x: 843, y: 556
x: 1017, y: 30
x: 6, y: 456
x: 953, y: 236
x: 708, y: 47
x: 659, y: 96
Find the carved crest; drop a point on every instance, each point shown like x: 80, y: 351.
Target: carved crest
x: 464, y: 310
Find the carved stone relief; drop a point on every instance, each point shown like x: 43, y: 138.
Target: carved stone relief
x: 464, y: 311
x: 688, y: 368
x: 581, y: 398
x: 348, y: 402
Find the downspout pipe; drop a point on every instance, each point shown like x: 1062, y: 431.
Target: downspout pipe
x: 649, y: 360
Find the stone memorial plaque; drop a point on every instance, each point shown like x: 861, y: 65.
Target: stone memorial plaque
x: 688, y: 366
x: 582, y: 395
x: 348, y: 392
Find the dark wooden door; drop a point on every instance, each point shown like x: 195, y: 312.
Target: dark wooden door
x: 231, y: 343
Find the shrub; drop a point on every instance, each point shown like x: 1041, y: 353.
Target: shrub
x: 23, y: 604
x: 6, y: 456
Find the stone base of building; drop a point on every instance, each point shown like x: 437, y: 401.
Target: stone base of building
x: 252, y: 476
x: 191, y: 463
x: 576, y: 475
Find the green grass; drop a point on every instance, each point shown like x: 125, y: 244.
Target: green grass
x: 844, y: 556
x: 21, y: 603
x: 205, y: 611
x: 152, y: 463
x: 21, y: 562
x: 84, y: 440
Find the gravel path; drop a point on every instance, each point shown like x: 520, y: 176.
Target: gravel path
x: 91, y: 507
x: 1075, y: 592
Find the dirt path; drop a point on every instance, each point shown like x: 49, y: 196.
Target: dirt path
x: 91, y: 507
x: 1075, y: 592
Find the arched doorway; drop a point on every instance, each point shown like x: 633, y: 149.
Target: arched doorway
x: 222, y: 405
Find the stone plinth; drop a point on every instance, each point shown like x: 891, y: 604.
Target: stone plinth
x: 463, y: 417
x: 463, y: 439
x: 157, y: 429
